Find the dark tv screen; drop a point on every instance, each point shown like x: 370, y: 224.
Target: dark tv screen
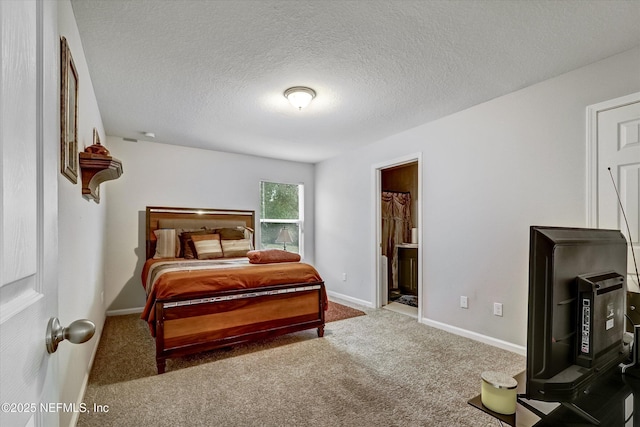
x: 576, y: 310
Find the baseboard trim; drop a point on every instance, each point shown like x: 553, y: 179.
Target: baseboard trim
x: 347, y: 298
x: 518, y: 349
x: 124, y: 311
x: 85, y: 381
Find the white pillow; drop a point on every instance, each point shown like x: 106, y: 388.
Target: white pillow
x: 167, y: 244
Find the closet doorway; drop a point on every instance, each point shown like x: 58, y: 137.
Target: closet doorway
x: 398, y: 218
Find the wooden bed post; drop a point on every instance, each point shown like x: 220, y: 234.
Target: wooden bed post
x: 322, y: 300
x: 161, y: 361
x: 161, y: 365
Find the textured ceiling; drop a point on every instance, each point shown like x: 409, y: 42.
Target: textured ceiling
x: 211, y: 74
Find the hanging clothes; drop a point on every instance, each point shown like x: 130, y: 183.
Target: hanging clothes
x: 396, y: 228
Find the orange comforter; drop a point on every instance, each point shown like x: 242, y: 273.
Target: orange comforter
x: 201, y: 281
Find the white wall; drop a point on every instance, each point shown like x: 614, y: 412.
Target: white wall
x: 488, y: 173
x: 167, y: 175
x: 81, y: 239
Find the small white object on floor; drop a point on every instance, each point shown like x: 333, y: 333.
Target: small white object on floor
x: 499, y: 392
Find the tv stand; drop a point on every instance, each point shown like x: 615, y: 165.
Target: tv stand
x: 570, y: 406
x: 581, y: 412
x: 612, y: 401
x: 634, y: 351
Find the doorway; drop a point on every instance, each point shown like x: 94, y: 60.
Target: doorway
x: 613, y: 147
x: 398, y: 223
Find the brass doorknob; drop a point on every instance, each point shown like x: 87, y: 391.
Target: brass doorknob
x: 77, y: 332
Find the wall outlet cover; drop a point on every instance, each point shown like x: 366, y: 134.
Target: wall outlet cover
x: 464, y: 302
x: 497, y: 309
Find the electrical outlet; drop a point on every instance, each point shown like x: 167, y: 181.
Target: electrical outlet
x: 464, y: 302
x: 497, y: 309
x: 344, y: 277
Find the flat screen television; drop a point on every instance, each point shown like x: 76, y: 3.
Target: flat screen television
x: 577, y: 304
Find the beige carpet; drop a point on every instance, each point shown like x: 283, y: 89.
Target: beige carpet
x: 382, y: 369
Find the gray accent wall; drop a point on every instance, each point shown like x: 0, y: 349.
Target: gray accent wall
x: 488, y: 173
x: 158, y: 174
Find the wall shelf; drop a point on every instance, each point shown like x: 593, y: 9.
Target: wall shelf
x: 96, y: 169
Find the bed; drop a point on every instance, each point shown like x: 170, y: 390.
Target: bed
x: 200, y: 297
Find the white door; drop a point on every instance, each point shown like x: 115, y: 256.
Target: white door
x: 618, y: 157
x: 29, y: 141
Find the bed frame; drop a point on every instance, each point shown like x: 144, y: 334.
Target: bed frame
x: 226, y: 318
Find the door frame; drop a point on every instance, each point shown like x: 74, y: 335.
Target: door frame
x: 592, y: 150
x: 376, y: 176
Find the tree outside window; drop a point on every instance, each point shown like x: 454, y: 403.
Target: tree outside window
x: 281, y: 207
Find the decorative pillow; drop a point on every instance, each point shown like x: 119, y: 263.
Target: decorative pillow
x: 268, y: 256
x: 207, y: 246
x: 235, y: 248
x: 248, y: 234
x: 167, y: 243
x: 188, y: 250
x: 231, y: 233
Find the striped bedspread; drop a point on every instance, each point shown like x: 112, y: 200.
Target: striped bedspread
x: 181, y: 279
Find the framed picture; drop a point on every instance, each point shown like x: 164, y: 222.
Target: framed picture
x: 68, y: 114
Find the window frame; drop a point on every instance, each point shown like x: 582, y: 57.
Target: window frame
x: 299, y: 221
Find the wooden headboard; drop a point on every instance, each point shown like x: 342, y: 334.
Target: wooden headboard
x: 193, y: 218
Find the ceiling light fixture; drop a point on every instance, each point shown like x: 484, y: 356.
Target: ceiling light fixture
x: 149, y: 134
x: 299, y: 96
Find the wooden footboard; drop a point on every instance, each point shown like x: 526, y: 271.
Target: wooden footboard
x: 232, y: 317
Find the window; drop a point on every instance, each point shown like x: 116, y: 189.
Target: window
x: 281, y: 214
